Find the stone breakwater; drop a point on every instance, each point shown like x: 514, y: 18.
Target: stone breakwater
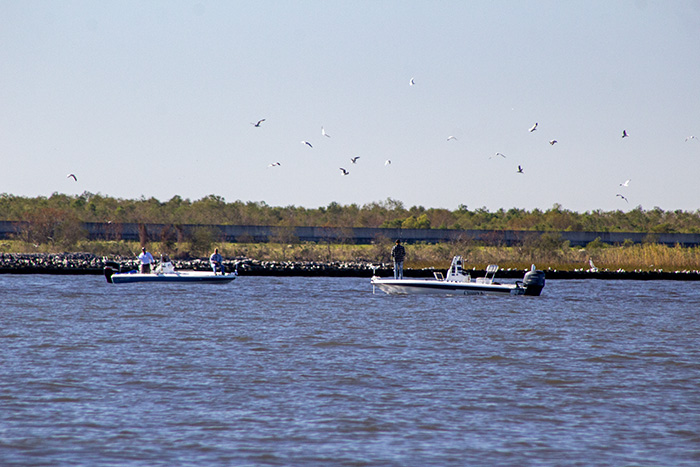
x: 86, y: 263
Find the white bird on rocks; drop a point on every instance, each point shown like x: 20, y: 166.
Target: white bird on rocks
x: 323, y: 132
x: 354, y: 159
x: 626, y: 182
x: 345, y: 172
x: 72, y: 176
x: 307, y: 143
x: 593, y: 267
x: 533, y: 128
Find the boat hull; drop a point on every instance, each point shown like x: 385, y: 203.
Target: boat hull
x: 437, y: 287
x: 196, y: 277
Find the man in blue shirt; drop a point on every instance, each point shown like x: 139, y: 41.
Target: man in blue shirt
x: 217, y: 262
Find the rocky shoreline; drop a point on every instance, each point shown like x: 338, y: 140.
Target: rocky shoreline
x: 86, y: 263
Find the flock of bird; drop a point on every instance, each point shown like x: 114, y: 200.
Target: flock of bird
x: 412, y: 82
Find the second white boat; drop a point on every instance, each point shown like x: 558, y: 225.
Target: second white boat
x: 458, y: 282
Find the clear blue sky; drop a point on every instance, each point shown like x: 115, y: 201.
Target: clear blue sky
x: 156, y: 98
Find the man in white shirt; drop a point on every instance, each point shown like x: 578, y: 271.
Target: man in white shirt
x: 146, y: 261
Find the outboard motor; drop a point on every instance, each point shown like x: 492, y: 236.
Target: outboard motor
x: 110, y: 268
x: 533, y: 282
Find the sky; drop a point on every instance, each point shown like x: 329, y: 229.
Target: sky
x: 158, y: 99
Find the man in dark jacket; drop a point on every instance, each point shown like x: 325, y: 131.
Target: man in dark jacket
x: 398, y: 253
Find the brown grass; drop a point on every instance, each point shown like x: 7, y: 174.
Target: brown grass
x: 645, y: 257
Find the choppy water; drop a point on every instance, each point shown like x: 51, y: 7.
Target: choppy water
x: 321, y: 372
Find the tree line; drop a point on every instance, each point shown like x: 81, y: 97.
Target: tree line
x: 212, y: 209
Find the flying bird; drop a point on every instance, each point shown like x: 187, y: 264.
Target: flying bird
x: 451, y: 137
x: 388, y: 161
x: 553, y: 142
x: 498, y: 154
x: 624, y: 134
x: 520, y: 170
x: 622, y: 197
x: 690, y: 137
x: 323, y: 132
x: 626, y: 182
x: 533, y: 128
x: 274, y: 164
x: 412, y: 82
x: 354, y: 159
x: 72, y: 176
x: 257, y: 125
x: 345, y: 172
x: 307, y: 143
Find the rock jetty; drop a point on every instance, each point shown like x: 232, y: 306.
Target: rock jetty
x: 87, y: 263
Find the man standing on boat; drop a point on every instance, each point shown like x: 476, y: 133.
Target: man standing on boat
x: 146, y: 261
x: 217, y: 262
x: 398, y: 253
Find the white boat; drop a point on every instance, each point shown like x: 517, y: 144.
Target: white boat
x: 458, y: 282
x: 165, y: 272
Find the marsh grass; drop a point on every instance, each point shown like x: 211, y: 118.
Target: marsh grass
x: 552, y: 255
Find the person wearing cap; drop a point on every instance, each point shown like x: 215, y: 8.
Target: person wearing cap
x: 146, y: 261
x: 398, y: 253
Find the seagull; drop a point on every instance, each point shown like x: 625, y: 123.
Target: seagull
x: 274, y: 164
x: 412, y: 82
x: 354, y: 159
x: 520, y: 170
x: 498, y: 154
x: 257, y: 125
x: 626, y: 182
x: 533, y: 128
x: 323, y: 132
x: 690, y: 137
x: 553, y: 142
x: 345, y: 172
x: 624, y: 134
x: 593, y: 267
x: 451, y: 137
x: 622, y: 197
x: 307, y: 143
x: 72, y: 176
x: 388, y: 161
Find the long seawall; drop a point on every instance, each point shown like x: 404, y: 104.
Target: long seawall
x: 364, y: 235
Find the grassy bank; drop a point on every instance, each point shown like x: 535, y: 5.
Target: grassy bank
x: 554, y: 255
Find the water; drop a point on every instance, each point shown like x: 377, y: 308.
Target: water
x: 321, y: 372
